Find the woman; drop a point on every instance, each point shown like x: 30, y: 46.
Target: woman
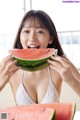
x: 38, y: 31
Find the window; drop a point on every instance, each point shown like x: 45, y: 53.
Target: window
x: 71, y: 45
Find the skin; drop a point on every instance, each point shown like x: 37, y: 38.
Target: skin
x: 32, y: 35
x: 67, y: 71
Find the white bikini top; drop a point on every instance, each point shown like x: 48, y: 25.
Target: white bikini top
x: 23, y: 98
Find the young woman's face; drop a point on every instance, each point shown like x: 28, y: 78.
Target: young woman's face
x: 34, y: 36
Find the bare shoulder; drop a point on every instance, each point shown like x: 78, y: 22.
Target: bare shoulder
x: 55, y: 75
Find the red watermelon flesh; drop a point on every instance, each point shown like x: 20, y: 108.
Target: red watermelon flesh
x: 33, y: 54
x: 31, y: 114
x: 63, y: 111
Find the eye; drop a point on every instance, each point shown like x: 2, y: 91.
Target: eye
x: 26, y: 31
x: 40, y: 31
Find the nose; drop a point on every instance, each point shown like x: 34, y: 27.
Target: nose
x: 33, y: 36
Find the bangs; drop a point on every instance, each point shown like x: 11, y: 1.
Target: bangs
x: 32, y: 20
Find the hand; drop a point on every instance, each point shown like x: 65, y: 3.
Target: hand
x: 67, y: 71
x: 61, y: 65
x: 7, y: 69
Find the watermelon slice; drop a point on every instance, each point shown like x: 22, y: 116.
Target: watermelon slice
x: 33, y: 59
x: 63, y: 111
x: 30, y: 114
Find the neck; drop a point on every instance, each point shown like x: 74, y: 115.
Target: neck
x: 36, y: 73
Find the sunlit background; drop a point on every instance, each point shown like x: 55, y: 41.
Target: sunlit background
x: 64, y: 15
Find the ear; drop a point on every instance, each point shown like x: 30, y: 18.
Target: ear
x: 51, y: 40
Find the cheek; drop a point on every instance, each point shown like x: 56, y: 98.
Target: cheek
x: 23, y: 41
x: 44, y: 43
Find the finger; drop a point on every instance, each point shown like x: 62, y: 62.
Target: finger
x: 63, y: 61
x: 53, y: 67
x: 64, y: 56
x: 55, y: 63
x: 2, y: 67
x: 5, y: 60
x: 60, y: 70
x: 11, y: 66
x: 7, y: 63
x: 12, y: 72
x: 56, y: 66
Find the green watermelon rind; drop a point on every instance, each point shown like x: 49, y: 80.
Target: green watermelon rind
x: 73, y: 110
x: 33, y: 65
x: 52, y: 117
x: 30, y: 63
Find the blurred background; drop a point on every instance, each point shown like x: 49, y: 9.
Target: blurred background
x: 67, y: 22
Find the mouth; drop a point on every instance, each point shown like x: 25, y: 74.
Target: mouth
x: 33, y: 46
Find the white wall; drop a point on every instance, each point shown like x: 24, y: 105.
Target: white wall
x: 68, y: 95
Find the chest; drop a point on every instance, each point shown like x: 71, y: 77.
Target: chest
x: 36, y: 87
x: 41, y: 95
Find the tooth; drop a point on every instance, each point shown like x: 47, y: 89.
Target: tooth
x: 32, y: 46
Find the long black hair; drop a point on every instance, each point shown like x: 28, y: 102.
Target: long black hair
x: 46, y: 22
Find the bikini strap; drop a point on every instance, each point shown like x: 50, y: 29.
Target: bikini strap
x: 22, y: 76
x: 51, y: 79
x: 49, y: 74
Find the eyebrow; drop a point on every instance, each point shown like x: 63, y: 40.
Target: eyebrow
x: 28, y: 26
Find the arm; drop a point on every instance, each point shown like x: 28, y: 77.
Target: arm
x: 67, y: 70
x: 74, y: 79
x: 7, y: 68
